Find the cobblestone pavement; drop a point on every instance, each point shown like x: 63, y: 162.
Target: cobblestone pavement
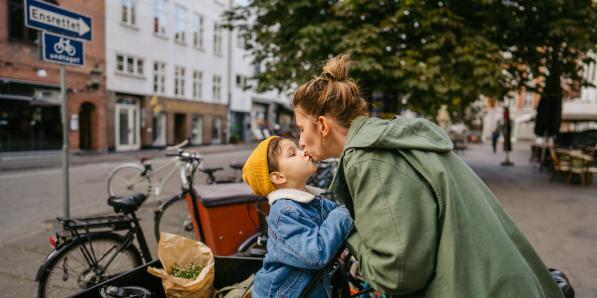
x: 558, y: 219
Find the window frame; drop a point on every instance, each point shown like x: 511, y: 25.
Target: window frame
x: 197, y: 84
x: 179, y: 80
x: 160, y: 10
x: 159, y: 77
x: 181, y: 39
x: 131, y: 13
x: 198, y: 30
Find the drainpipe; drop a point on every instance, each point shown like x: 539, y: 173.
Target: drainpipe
x: 229, y: 81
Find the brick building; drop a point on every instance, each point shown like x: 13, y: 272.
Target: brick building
x: 30, y: 116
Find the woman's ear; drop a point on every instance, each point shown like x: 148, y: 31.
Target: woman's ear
x: 323, y: 125
x: 277, y: 178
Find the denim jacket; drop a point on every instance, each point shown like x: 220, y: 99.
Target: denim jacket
x: 305, y: 233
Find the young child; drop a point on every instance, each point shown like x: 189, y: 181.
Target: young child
x: 305, y: 229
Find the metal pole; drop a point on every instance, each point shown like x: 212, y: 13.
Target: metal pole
x: 64, y: 139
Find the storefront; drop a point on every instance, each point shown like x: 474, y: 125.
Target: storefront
x: 29, y: 116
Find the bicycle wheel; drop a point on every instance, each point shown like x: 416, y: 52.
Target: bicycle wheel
x: 85, y: 262
x: 173, y: 217
x: 127, y: 180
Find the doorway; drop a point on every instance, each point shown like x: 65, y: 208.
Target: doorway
x: 86, y: 114
x: 127, y: 125
x: 180, y: 128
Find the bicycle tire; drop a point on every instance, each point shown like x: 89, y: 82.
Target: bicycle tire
x: 119, y: 181
x: 173, y: 217
x: 70, y: 251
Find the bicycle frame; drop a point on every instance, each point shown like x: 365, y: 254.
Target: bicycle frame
x: 171, y: 167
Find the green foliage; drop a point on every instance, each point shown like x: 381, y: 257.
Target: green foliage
x: 432, y: 52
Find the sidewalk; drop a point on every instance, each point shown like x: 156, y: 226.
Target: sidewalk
x: 16, y: 161
x: 558, y: 219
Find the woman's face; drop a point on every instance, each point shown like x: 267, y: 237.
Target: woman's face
x: 310, y: 139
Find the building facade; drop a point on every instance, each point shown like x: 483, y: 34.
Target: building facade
x: 255, y: 115
x: 30, y: 116
x: 167, y: 72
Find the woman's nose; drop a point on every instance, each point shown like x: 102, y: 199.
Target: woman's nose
x: 301, y: 143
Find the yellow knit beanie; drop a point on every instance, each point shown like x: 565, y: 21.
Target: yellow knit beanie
x: 256, y: 172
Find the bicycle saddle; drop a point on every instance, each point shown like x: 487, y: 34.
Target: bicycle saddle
x: 128, y: 203
x: 210, y: 170
x: 237, y: 165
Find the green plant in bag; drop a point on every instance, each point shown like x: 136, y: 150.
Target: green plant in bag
x: 189, y: 271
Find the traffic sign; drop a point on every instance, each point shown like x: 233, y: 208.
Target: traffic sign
x: 63, y: 50
x: 50, y: 17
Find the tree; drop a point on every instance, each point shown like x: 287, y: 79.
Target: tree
x: 431, y: 52
x: 546, y: 39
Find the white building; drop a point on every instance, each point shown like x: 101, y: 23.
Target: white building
x: 254, y: 115
x: 167, y: 72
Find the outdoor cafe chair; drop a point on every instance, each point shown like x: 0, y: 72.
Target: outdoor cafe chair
x: 558, y: 166
x: 579, y: 168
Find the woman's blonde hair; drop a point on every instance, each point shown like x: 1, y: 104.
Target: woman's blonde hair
x: 332, y: 93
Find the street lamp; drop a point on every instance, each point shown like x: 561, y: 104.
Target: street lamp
x: 94, y: 78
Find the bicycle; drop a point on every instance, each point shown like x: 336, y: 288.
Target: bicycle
x: 130, y: 178
x: 326, y: 169
x: 89, y: 250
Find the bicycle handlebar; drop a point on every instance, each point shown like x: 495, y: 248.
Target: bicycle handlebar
x: 187, y: 156
x: 178, y: 146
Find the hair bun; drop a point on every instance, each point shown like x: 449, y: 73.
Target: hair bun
x: 336, y: 69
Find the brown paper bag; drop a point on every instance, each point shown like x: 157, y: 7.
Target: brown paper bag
x: 180, y: 250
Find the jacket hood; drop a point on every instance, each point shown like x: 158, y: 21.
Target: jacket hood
x: 400, y: 133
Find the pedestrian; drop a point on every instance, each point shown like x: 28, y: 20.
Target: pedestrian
x: 495, y: 135
x: 425, y: 225
x: 305, y: 229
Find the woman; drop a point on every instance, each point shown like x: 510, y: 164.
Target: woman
x: 425, y: 224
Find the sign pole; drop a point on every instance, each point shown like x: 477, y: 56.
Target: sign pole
x: 65, y: 161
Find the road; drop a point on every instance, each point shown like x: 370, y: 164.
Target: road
x: 32, y: 199
x: 558, y: 219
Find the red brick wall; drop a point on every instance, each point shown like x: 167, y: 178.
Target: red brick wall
x: 18, y: 60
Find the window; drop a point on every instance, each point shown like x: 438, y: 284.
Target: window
x: 217, y: 39
x: 197, y: 31
x: 179, y: 81
x: 241, y: 81
x: 159, y: 17
x: 180, y: 25
x: 16, y: 23
x: 197, y: 84
x: 159, y: 77
x: 217, y: 87
x: 241, y: 40
x: 119, y: 63
x: 128, y: 12
x: 197, y: 130
x: 129, y: 65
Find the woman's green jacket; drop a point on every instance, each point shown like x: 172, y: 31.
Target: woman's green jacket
x: 425, y: 223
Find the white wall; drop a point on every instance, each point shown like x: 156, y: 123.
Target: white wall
x: 141, y: 42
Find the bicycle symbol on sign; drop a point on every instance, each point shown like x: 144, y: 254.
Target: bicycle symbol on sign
x: 64, y: 46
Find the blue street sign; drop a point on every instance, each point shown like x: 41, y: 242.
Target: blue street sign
x: 49, y: 17
x: 63, y: 50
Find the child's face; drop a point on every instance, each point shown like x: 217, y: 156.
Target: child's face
x: 294, y: 164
